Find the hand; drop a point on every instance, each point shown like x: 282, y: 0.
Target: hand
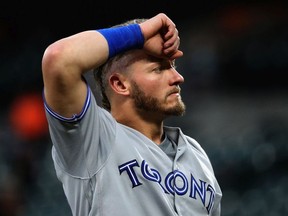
x: 161, y: 37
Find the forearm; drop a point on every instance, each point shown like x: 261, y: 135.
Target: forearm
x: 86, y: 50
x: 75, y: 54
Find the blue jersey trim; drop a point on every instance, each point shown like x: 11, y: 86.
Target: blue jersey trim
x: 75, y: 117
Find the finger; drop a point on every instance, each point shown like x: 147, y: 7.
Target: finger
x: 176, y: 55
x: 170, y: 29
x: 173, y: 47
x: 174, y: 38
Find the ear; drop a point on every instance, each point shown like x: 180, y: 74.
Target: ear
x: 119, y: 84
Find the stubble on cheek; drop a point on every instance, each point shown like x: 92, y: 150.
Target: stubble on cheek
x: 150, y: 103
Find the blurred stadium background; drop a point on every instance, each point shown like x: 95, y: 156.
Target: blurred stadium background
x: 235, y: 66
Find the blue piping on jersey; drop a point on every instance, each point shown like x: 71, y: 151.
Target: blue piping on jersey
x: 75, y: 117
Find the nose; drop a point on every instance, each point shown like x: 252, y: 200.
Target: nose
x: 177, y: 78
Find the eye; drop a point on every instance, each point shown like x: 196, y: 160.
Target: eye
x: 157, y: 69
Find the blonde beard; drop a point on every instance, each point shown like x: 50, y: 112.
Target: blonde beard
x: 149, y: 103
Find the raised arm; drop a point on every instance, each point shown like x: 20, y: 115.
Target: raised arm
x: 65, y: 61
x: 63, y: 65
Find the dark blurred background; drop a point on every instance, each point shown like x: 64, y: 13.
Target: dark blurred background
x: 235, y: 66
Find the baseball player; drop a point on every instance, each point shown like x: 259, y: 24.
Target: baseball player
x: 118, y: 158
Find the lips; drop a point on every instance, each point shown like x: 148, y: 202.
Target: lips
x: 176, y: 90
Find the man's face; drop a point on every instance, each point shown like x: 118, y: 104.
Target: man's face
x: 155, y: 87
x: 147, y: 102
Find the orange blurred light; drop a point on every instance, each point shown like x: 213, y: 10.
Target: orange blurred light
x: 27, y: 117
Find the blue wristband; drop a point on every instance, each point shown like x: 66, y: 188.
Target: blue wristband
x: 121, y: 39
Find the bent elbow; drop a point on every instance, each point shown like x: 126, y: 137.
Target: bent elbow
x: 53, y: 59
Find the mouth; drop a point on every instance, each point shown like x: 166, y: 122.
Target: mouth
x: 176, y: 91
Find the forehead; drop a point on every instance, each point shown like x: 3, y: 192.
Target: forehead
x: 141, y: 56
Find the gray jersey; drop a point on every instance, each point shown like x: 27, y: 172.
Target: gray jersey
x: 109, y: 169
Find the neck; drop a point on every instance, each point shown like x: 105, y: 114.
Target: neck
x: 144, y: 123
